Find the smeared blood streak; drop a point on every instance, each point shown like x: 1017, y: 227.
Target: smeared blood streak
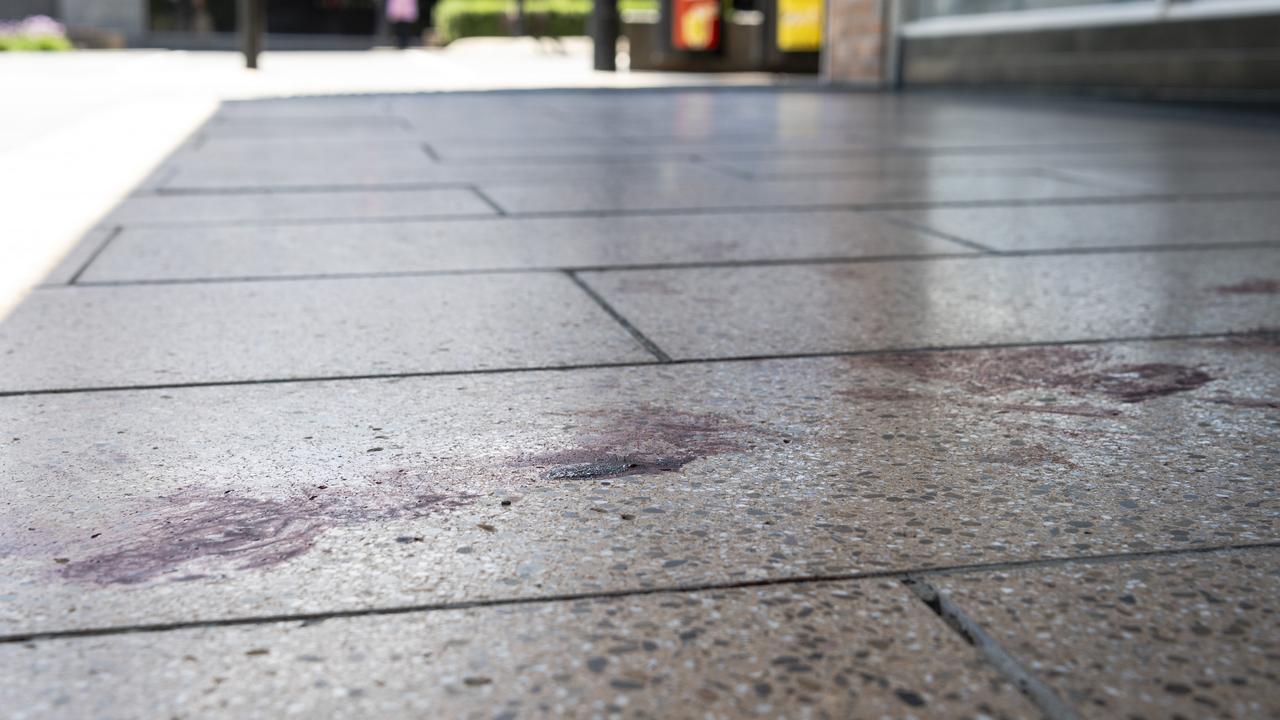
x: 248, y: 533
x: 638, y: 441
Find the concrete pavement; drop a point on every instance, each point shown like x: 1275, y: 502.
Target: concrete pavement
x: 656, y: 403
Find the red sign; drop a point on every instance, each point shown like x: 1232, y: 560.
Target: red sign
x: 695, y: 24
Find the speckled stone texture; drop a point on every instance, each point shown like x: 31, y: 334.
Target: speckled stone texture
x: 357, y: 495
x: 278, y: 207
x: 772, y: 403
x: 1193, y: 636
x: 503, y: 244
x: 1101, y: 226
x: 837, y: 650
x: 734, y: 312
x: 157, y: 334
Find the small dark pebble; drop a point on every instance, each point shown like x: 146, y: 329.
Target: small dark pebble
x: 626, y: 684
x: 909, y: 698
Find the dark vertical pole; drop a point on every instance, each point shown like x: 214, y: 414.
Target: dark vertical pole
x: 604, y: 34
x: 251, y: 17
x: 518, y: 30
x: 381, y: 28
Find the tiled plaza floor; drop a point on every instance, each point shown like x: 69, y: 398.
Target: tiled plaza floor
x: 685, y: 403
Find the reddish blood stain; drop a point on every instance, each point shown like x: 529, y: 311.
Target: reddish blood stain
x: 246, y: 533
x: 638, y: 441
x: 1255, y: 286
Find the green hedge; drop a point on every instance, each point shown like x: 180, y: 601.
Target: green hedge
x: 455, y: 19
x: 33, y: 42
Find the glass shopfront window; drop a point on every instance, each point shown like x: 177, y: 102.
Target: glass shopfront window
x: 919, y: 9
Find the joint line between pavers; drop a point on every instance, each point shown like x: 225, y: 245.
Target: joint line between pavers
x: 900, y: 575
x: 487, y: 200
x: 925, y: 229
x: 692, y: 265
x: 1010, y: 667
x: 1261, y: 333
x: 112, y: 235
x: 1112, y: 199
x: 181, y: 191
x: 650, y: 346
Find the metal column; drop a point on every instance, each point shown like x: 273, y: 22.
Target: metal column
x: 251, y: 19
x: 604, y: 34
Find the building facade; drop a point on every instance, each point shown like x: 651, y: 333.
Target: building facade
x: 1192, y: 49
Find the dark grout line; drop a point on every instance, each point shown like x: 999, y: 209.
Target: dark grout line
x: 739, y: 149
x: 301, y: 189
x: 926, y: 230
x: 621, y: 159
x: 1261, y: 332
x: 901, y: 575
x: 715, y: 166
x: 1040, y: 694
x: 1070, y: 175
x: 1137, y: 198
x: 650, y: 346
x: 323, y: 378
x: 111, y: 235
x: 982, y: 254
x: 487, y: 200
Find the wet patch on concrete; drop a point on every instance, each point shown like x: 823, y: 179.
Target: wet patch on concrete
x: 1136, y: 383
x: 1080, y: 410
x: 1259, y: 339
x: 1072, y: 370
x: 244, y: 533
x: 638, y: 441
x: 881, y: 394
x: 1256, y: 286
x: 1240, y: 402
x: 1026, y: 455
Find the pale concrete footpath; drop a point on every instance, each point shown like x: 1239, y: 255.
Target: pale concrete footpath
x: 81, y: 129
x: 735, y: 402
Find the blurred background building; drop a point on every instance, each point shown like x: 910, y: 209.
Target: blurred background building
x: 1202, y: 49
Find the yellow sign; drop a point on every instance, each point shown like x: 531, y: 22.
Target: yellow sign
x: 799, y: 25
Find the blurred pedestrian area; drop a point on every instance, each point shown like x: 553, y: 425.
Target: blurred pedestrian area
x: 113, y: 116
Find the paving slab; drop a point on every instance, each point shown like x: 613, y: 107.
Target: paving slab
x: 295, y: 128
x: 275, y: 207
x: 79, y: 256
x: 866, y: 649
x: 1108, y: 225
x: 145, y: 335
x: 612, y: 149
x: 1082, y: 156
x: 1191, y: 636
x: 723, y: 312
x: 1186, y: 180
x: 180, y: 504
x: 418, y: 168
x: 501, y: 244
x: 621, y: 195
